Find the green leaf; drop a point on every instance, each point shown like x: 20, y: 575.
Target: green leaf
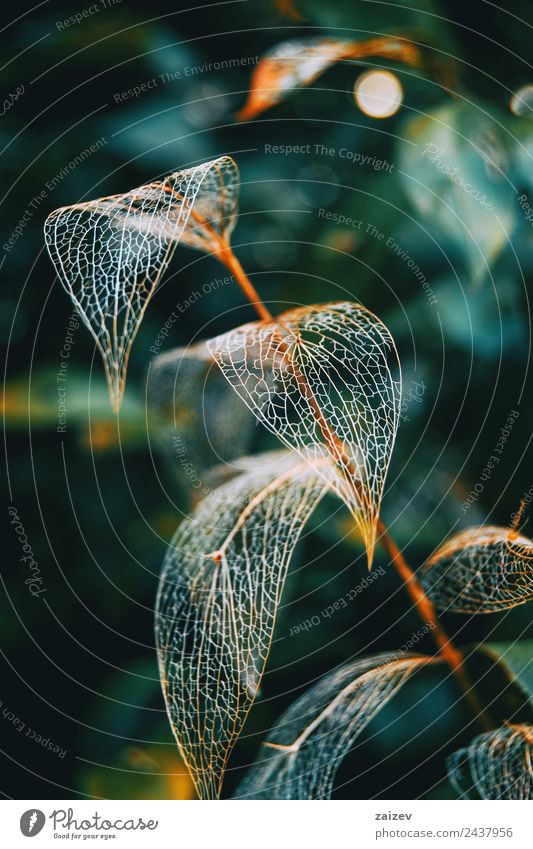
x: 138, y: 772
x: 193, y: 414
x: 455, y: 163
x: 73, y: 400
x: 517, y: 660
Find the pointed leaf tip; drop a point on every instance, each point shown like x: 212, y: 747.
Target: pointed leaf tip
x: 111, y: 253
x: 217, y: 603
x: 325, y: 376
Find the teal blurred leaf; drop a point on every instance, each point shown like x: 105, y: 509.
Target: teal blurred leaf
x: 194, y: 416
x: 455, y: 164
x: 517, y: 660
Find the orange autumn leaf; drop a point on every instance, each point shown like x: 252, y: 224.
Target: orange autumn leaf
x: 299, y: 62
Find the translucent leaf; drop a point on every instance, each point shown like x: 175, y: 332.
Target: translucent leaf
x: 288, y: 66
x: 217, y: 602
x: 308, y: 743
x: 497, y: 765
x: 321, y: 375
x: 297, y: 63
x: 193, y: 413
x: 214, y: 212
x: 110, y: 253
x: 480, y: 570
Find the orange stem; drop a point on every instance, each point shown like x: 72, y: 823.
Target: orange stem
x: 446, y: 648
x: 228, y: 258
x: 448, y: 651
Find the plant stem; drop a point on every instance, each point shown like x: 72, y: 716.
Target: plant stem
x: 228, y: 258
x: 446, y: 648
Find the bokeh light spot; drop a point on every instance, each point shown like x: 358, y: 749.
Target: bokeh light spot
x: 378, y: 93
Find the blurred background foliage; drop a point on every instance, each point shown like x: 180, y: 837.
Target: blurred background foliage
x: 100, y: 501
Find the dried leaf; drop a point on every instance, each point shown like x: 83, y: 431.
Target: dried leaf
x: 110, y: 253
x: 193, y: 414
x: 497, y: 765
x: 308, y: 743
x: 321, y: 375
x: 214, y: 212
x: 480, y: 570
x: 297, y: 63
x: 217, y: 602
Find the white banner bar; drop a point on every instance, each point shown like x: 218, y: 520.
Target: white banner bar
x: 268, y: 825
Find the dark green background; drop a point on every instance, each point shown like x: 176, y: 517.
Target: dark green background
x: 81, y: 668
